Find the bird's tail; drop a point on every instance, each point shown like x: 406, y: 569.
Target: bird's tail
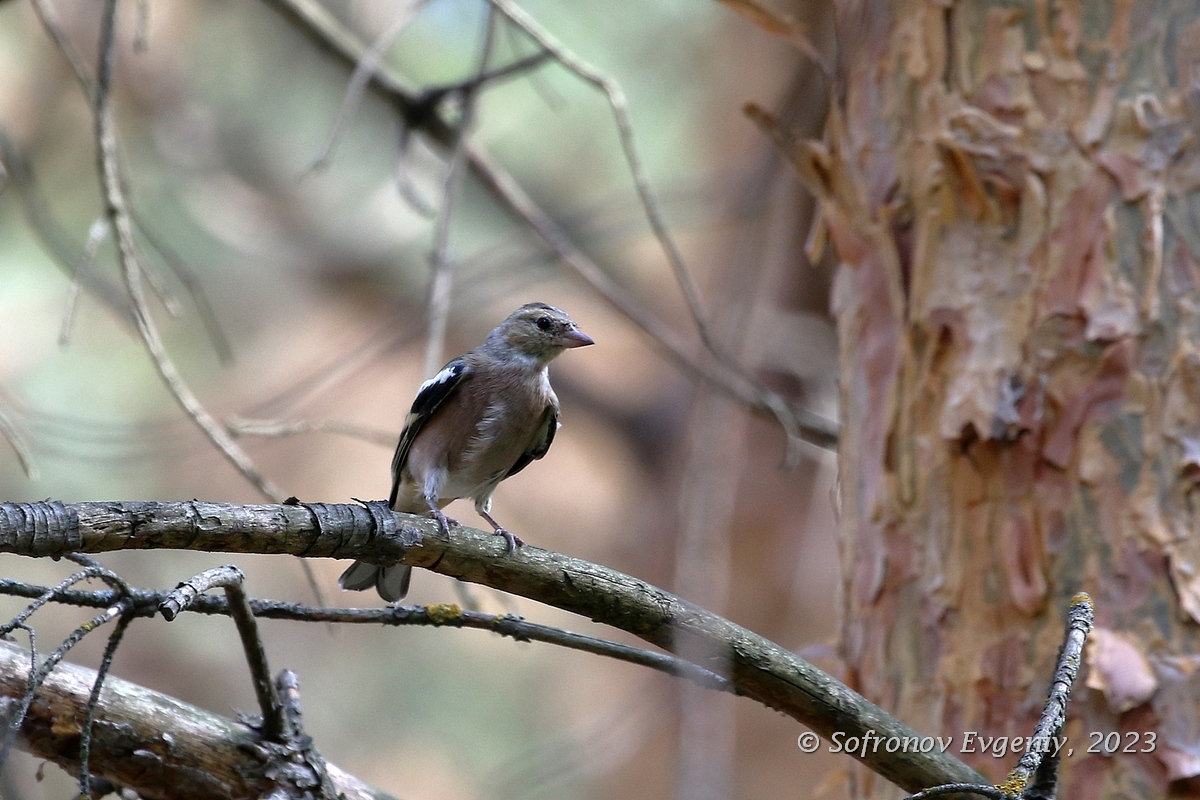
x: 390, y: 582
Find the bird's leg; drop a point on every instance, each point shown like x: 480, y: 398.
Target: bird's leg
x: 513, y: 542
x: 444, y: 522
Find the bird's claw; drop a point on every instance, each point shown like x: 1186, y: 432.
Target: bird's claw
x: 511, y: 541
x: 445, y: 523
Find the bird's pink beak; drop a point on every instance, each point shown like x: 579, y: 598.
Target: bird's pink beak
x: 575, y: 338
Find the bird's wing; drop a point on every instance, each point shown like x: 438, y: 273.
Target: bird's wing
x: 430, y: 397
x: 543, y: 437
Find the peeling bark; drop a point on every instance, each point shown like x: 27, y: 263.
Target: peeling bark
x: 1012, y: 193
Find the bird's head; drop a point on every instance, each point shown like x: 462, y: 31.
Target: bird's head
x: 538, y: 331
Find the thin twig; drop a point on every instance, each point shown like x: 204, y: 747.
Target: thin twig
x: 362, y: 75
x: 193, y: 286
x: 38, y: 675
x: 53, y: 25
x: 51, y: 236
x: 981, y: 789
x: 97, y: 233
x: 230, y: 578
x: 331, y: 375
x: 620, y: 110
x: 1054, y: 714
x: 102, y: 572
x: 45, y: 595
x: 553, y: 99
x: 147, y: 603
x: 287, y: 689
x: 168, y: 300
x: 89, y: 719
x: 117, y: 210
x: 239, y: 426
x: 654, y: 216
x: 442, y: 276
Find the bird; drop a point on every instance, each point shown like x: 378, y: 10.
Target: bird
x: 484, y: 417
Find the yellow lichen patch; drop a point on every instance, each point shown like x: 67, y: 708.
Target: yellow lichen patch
x: 443, y: 613
x: 1013, y: 785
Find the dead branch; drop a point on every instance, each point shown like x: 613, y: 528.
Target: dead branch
x: 761, y: 669
x: 145, y: 741
x: 147, y: 603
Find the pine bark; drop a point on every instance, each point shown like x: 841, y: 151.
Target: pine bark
x: 1011, y: 192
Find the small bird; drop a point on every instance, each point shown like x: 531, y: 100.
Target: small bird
x: 483, y: 418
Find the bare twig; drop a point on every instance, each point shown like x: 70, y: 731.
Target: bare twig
x: 116, y: 208
x: 193, y: 286
x: 38, y: 674
x: 50, y: 21
x: 230, y: 578
x: 53, y: 25
x: 553, y: 100
x: 442, y: 276
x: 50, y: 234
x: 287, y: 688
x: 239, y: 426
x: 362, y: 74
x: 89, y: 721
x: 119, y: 604
x: 97, y: 233
x: 147, y: 603
x: 1036, y: 773
x: 331, y: 375
x: 654, y: 216
x: 45, y: 596
x: 100, y: 571
x: 1027, y: 774
x: 620, y: 110
x: 982, y: 790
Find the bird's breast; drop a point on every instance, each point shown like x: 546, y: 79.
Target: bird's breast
x: 477, y: 441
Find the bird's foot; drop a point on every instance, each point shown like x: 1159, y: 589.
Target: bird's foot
x: 444, y: 522
x: 511, y: 541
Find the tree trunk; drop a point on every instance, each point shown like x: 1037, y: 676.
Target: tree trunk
x: 1011, y: 191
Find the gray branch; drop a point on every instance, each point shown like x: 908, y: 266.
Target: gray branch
x: 145, y: 741
x: 759, y: 668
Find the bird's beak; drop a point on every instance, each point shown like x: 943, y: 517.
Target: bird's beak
x: 575, y: 338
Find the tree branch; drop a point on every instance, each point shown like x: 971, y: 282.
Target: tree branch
x: 142, y: 740
x: 759, y: 668
x: 147, y: 602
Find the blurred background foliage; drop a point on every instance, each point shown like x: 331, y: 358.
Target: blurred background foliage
x: 318, y: 280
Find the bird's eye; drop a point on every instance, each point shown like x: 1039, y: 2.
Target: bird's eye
x: 543, y: 323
